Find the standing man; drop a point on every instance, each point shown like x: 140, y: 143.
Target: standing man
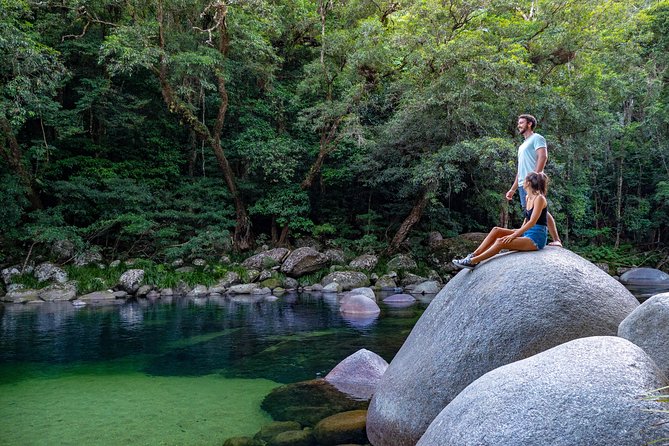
x: 532, y: 156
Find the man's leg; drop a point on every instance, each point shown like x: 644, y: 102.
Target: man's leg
x: 552, y: 229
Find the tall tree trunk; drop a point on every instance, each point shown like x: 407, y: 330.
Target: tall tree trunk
x: 619, y: 202
x: 11, y: 152
x: 243, y: 236
x: 411, y: 219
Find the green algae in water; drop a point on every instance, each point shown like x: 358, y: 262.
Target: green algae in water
x: 129, y: 408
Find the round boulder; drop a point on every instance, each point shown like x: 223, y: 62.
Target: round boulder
x: 358, y: 375
x: 131, y: 280
x: 266, y: 259
x: 366, y: 262
x: 347, y: 279
x: 402, y: 262
x: 648, y: 327
x: 49, y: 271
x: 359, y: 304
x: 346, y: 427
x: 645, y: 282
x: 302, y: 261
x: 485, y: 318
x: 587, y: 391
x: 399, y: 299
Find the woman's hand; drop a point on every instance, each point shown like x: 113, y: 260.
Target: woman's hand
x: 507, y: 239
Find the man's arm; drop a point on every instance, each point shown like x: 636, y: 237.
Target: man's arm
x: 542, y: 157
x: 514, y: 186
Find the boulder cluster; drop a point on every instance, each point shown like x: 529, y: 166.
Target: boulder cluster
x: 539, y: 348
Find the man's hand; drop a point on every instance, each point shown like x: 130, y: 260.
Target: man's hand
x: 509, y: 194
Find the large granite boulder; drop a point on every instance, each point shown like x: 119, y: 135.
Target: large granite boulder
x: 302, y: 261
x: 510, y: 307
x: 358, y: 374
x: 308, y: 402
x: 402, y: 262
x: 21, y: 296
x: 648, y: 327
x: 366, y: 262
x: 49, y: 271
x: 87, y: 258
x: 59, y: 292
x: 266, y: 259
x: 645, y: 282
x: 335, y: 256
x: 586, y: 392
x: 131, y: 280
x: 347, y: 279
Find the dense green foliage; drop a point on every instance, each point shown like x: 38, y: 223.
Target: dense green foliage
x: 169, y: 128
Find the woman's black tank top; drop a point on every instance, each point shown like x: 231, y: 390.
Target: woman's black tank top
x: 543, y: 220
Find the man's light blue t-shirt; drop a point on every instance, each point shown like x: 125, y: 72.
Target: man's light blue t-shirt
x: 527, y: 156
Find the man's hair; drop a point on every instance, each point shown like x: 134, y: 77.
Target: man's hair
x: 529, y: 118
x: 538, y: 182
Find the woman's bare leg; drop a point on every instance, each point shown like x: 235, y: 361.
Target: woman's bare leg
x: 494, y: 234
x: 517, y: 244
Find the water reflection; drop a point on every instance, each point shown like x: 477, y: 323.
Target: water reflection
x: 289, y: 339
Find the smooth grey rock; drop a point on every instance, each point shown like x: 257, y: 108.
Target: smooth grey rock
x: 131, y: 280
x: 399, y: 298
x: 217, y: 290
x: 585, y: 392
x: 120, y: 294
x: 49, y: 271
x: 434, y: 237
x: 59, y: 292
x: 21, y: 296
x: 485, y: 318
x: 648, y: 327
x: 359, y: 304
x: 429, y: 287
x: 303, y: 261
x: 332, y: 287
x: 365, y: 291
x: 403, y: 262
x: 366, y: 262
x: 358, y: 374
x: 266, y: 259
x: 245, y: 288
x: 261, y: 291
x: 347, y: 279
x: 10, y: 272
x: 645, y: 282
x: 198, y: 291
x: 143, y: 290
x: 316, y: 287
x: 199, y: 262
x: 230, y: 278
x: 97, y: 296
x: 167, y: 292
x: 335, y: 256
x: 87, y: 258
x: 412, y: 279
x: 115, y: 263
x: 290, y: 284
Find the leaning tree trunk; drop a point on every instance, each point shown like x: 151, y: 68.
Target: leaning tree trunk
x: 11, y: 152
x: 411, y: 219
x: 243, y: 235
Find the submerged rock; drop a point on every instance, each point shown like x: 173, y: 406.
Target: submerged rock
x: 269, y: 431
x: 342, y: 428
x: 485, y: 318
x: 359, y: 305
x: 586, y: 392
x: 308, y: 402
x: 645, y: 282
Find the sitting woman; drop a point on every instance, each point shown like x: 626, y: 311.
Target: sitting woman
x: 530, y: 237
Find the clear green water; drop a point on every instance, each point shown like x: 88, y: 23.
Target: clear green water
x: 185, y: 371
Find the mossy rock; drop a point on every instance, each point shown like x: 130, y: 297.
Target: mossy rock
x: 346, y: 427
x: 271, y: 283
x: 269, y: 431
x: 242, y: 441
x: 308, y: 402
x: 294, y: 438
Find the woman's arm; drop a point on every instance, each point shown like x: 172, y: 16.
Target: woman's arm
x: 538, y: 207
